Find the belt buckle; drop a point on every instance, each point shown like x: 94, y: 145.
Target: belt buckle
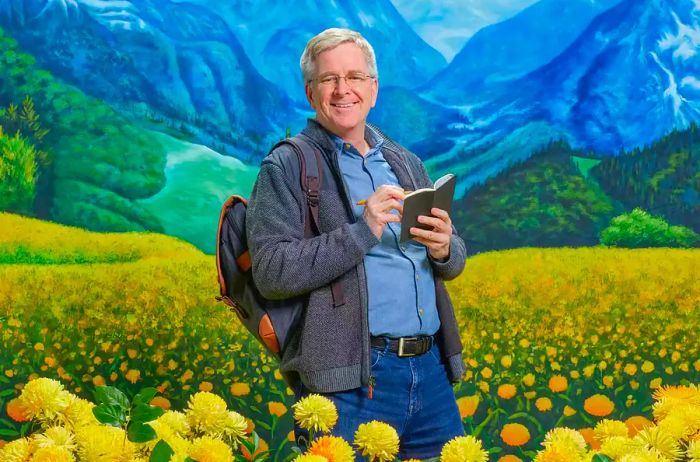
x: 401, y: 353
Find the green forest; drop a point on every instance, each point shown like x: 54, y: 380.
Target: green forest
x: 565, y: 197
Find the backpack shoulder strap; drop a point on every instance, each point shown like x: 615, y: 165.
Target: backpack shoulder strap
x: 310, y: 177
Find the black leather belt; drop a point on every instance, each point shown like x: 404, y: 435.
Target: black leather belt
x: 405, y: 346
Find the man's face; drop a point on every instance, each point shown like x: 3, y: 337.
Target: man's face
x: 342, y: 108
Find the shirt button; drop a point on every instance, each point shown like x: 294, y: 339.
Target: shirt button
x: 348, y: 145
x: 420, y: 311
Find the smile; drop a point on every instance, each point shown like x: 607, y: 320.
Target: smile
x: 342, y: 106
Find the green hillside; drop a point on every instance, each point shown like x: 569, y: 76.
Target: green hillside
x: 545, y: 330
x: 97, y: 164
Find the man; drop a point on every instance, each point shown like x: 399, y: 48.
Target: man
x: 389, y: 350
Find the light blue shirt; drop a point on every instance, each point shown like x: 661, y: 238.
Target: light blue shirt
x: 400, y: 286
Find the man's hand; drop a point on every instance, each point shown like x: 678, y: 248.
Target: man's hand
x: 436, y: 240
x: 379, y: 205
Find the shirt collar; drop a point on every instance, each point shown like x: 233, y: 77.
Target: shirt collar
x: 373, y: 138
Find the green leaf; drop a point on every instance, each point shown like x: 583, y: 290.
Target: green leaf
x: 601, y: 458
x: 110, y: 415
x: 4, y: 432
x: 145, y: 395
x: 264, y: 425
x: 7, y: 423
x: 5, y: 393
x: 140, y: 432
x: 112, y: 396
x: 24, y: 429
x: 161, y: 452
x: 145, y: 413
x: 189, y: 459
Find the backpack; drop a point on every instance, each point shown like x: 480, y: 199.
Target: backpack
x: 271, y: 321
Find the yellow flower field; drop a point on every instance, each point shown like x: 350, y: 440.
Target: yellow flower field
x: 553, y: 337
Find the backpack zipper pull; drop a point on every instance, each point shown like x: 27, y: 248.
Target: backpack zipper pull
x: 370, y: 387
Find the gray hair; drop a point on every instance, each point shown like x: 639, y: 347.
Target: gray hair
x: 329, y: 39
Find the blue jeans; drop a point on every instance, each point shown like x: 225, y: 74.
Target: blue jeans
x: 412, y: 394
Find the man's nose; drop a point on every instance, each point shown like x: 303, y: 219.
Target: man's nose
x: 342, y: 86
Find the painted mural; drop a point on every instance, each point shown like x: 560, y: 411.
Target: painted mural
x: 572, y: 128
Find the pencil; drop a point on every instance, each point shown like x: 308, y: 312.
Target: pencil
x: 364, y: 201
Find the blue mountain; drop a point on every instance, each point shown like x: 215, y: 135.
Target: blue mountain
x: 627, y: 80
x: 274, y: 33
x: 503, y: 52
x: 175, y: 63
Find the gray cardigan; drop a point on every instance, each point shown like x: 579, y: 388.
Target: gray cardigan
x: 330, y: 350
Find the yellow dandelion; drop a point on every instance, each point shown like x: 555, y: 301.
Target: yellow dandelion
x: 208, y: 449
x: 607, y: 428
x: 236, y: 426
x: 463, y: 449
x: 333, y: 448
x: 569, y: 411
x: 102, y: 442
x: 554, y: 454
x: 647, y: 367
x: 315, y: 413
x: 170, y: 425
x: 467, y: 405
x: 484, y: 386
x: 669, y: 397
x: 487, y: 372
x: 515, y: 434
x: 543, y: 404
x: 599, y: 405
x: 506, y: 361
x: 566, y: 439
x: 655, y: 438
x: 78, y: 414
x: 616, y: 446
x: 56, y: 436
x: 693, y: 451
x: 44, y: 398
x: 528, y: 380
x: 207, y: 413
x: 507, y: 391
x: 310, y: 458
x: 17, y: 451
x: 377, y: 440
x: 53, y: 454
x: 643, y: 455
x: 682, y: 421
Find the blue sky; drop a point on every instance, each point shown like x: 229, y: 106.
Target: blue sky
x: 447, y: 24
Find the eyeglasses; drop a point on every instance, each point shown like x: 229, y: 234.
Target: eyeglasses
x: 353, y: 79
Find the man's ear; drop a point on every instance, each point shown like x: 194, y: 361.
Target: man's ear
x: 309, y: 94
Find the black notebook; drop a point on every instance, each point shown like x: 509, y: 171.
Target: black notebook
x: 420, y: 201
